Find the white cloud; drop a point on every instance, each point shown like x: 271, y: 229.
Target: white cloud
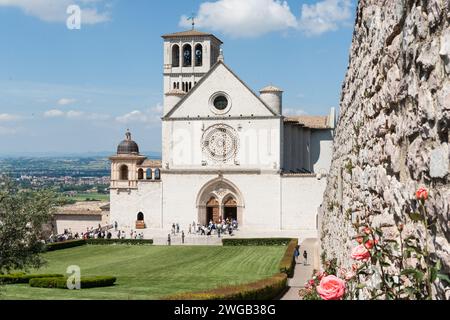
x: 325, y: 16
x: 249, y: 18
x: 5, y: 131
x: 76, y: 115
x: 66, y: 101
x: 253, y: 18
x: 294, y: 112
x: 55, y: 10
x: 149, y: 116
x: 7, y: 117
x: 55, y: 113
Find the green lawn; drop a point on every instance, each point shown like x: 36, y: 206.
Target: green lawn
x: 151, y: 272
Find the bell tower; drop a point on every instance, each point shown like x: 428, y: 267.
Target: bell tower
x: 188, y: 56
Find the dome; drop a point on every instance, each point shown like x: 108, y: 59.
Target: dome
x: 270, y: 89
x: 128, y: 146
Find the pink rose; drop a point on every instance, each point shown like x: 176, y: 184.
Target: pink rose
x: 331, y: 288
x: 422, y: 194
x: 360, y: 253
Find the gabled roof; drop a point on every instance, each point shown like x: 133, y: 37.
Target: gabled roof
x: 190, y: 33
x: 313, y: 122
x: 203, y: 79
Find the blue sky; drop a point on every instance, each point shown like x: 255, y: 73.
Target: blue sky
x: 75, y: 91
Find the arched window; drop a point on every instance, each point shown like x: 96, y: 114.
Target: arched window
x: 187, y: 55
x: 157, y: 174
x: 149, y: 174
x: 190, y: 86
x: 140, y: 216
x: 198, y: 55
x: 175, y: 56
x: 140, y: 174
x: 183, y: 88
x: 124, y: 172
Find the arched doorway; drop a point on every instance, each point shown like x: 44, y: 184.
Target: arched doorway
x: 140, y: 223
x: 230, y: 209
x: 212, y: 211
x: 219, y: 199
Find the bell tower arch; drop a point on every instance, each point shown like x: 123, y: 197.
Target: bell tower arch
x: 188, y: 56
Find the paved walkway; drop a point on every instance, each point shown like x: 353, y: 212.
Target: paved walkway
x: 302, y: 273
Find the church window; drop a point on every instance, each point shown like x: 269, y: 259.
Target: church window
x: 157, y: 174
x: 140, y: 216
x: 140, y: 174
x: 124, y: 172
x: 220, y: 102
x: 187, y: 56
x: 198, y: 55
x: 149, y: 174
x: 184, y: 87
x: 175, y: 56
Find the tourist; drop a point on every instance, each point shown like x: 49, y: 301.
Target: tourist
x: 182, y: 237
x: 115, y: 225
x: 168, y: 239
x: 109, y: 236
x: 178, y: 228
x: 305, y: 256
x: 296, y: 253
x: 190, y: 229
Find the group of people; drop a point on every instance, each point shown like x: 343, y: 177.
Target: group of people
x: 219, y: 228
x: 297, y: 255
x: 98, y: 233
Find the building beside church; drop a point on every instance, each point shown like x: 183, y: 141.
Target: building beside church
x: 227, y: 152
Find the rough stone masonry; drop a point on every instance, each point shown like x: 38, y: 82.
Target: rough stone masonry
x: 393, y: 131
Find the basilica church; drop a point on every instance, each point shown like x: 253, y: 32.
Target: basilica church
x: 227, y: 151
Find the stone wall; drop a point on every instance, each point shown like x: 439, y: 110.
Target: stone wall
x: 393, y: 131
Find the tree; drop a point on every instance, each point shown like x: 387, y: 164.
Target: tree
x: 23, y: 214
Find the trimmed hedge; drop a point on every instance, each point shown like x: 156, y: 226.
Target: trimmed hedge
x: 15, y: 278
x: 65, y: 245
x: 119, y: 241
x: 77, y: 243
x: 287, y: 263
x: 61, y: 283
x: 266, y: 289
x: 257, y: 242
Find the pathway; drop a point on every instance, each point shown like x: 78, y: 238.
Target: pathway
x: 302, y: 273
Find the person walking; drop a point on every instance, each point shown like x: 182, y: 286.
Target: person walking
x: 182, y: 237
x: 296, y: 254
x: 305, y: 257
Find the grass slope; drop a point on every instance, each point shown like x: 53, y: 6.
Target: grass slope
x: 151, y: 272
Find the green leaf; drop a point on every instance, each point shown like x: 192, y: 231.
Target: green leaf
x: 418, y: 275
x: 415, y: 216
x: 433, y: 273
x: 443, y: 277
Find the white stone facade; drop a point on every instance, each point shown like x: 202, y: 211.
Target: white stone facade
x: 226, y: 153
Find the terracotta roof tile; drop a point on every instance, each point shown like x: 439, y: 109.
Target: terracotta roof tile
x: 313, y: 122
x: 190, y: 33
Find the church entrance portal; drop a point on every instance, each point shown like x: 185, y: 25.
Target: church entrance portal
x: 212, y: 211
x: 230, y: 209
x: 219, y: 200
